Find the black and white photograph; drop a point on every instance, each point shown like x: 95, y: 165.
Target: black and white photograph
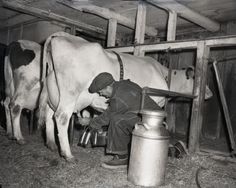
x: 117, y: 93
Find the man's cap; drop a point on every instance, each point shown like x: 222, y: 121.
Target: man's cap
x: 100, y: 82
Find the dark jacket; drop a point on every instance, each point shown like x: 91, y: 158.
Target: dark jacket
x: 126, y: 98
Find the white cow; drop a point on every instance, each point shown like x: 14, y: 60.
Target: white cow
x: 72, y: 65
x: 22, y: 83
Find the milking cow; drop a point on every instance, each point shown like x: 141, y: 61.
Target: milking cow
x: 22, y: 83
x: 72, y: 65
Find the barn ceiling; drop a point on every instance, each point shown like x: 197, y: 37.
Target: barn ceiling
x: 94, y: 14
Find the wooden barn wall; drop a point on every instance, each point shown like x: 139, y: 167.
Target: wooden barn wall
x: 213, y: 121
x: 37, y: 32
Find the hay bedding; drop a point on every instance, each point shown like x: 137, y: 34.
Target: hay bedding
x: 33, y: 165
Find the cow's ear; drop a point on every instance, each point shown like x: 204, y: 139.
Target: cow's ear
x: 190, y: 72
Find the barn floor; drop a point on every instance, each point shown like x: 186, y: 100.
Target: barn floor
x: 33, y: 165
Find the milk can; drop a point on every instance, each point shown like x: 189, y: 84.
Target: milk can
x: 149, y: 150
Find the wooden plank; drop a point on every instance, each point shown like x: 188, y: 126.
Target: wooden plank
x: 225, y: 108
x: 199, y: 91
x: 107, y: 14
x: 127, y: 49
x: 171, y: 28
x: 169, y: 46
x: 171, y: 33
x: 49, y: 15
x: 187, y: 44
x: 140, y: 27
x: 140, y: 23
x: 111, y: 37
x: 222, y: 41
x: 187, y: 13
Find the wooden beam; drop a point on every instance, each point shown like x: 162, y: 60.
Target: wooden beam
x: 127, y: 49
x: 111, y: 37
x: 49, y: 15
x: 107, y: 14
x: 140, y: 27
x: 186, y: 44
x: 169, y: 46
x: 222, y: 41
x: 171, y: 28
x: 199, y: 91
x: 187, y: 13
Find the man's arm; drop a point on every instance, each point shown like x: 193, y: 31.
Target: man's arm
x: 116, y: 106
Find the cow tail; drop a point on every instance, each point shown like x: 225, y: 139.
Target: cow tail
x: 8, y: 76
x: 46, y: 52
x: 42, y: 106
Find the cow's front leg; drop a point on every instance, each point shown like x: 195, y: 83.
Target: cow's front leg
x: 50, y: 134
x: 15, y: 110
x: 62, y: 119
x: 8, y: 118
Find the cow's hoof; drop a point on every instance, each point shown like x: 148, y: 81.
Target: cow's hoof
x: 52, y: 146
x: 70, y: 159
x: 21, y: 142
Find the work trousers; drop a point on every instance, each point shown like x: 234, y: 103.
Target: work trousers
x: 120, y: 132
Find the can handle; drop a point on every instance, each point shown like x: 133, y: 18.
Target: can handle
x: 165, y: 124
x: 143, y: 124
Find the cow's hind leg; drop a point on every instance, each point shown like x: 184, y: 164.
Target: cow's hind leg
x: 15, y: 110
x: 62, y: 117
x: 8, y: 118
x: 50, y: 134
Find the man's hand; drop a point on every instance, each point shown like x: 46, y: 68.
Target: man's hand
x: 84, y: 121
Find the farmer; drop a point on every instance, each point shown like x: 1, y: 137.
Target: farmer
x: 121, y: 115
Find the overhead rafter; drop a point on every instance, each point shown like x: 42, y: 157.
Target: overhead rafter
x: 107, y: 14
x: 187, y: 13
x: 49, y: 15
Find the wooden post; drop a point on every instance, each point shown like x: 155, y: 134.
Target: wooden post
x: 199, y: 91
x: 187, y: 13
x: 140, y: 28
x: 107, y: 14
x: 172, y: 22
x: 171, y: 33
x: 111, y: 38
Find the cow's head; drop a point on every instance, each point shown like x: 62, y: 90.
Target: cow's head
x: 182, y: 81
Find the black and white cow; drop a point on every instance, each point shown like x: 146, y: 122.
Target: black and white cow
x: 72, y: 65
x: 22, y: 83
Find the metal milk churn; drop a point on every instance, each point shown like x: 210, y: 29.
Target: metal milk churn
x: 149, y: 150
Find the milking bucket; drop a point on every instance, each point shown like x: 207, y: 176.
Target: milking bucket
x: 149, y: 150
